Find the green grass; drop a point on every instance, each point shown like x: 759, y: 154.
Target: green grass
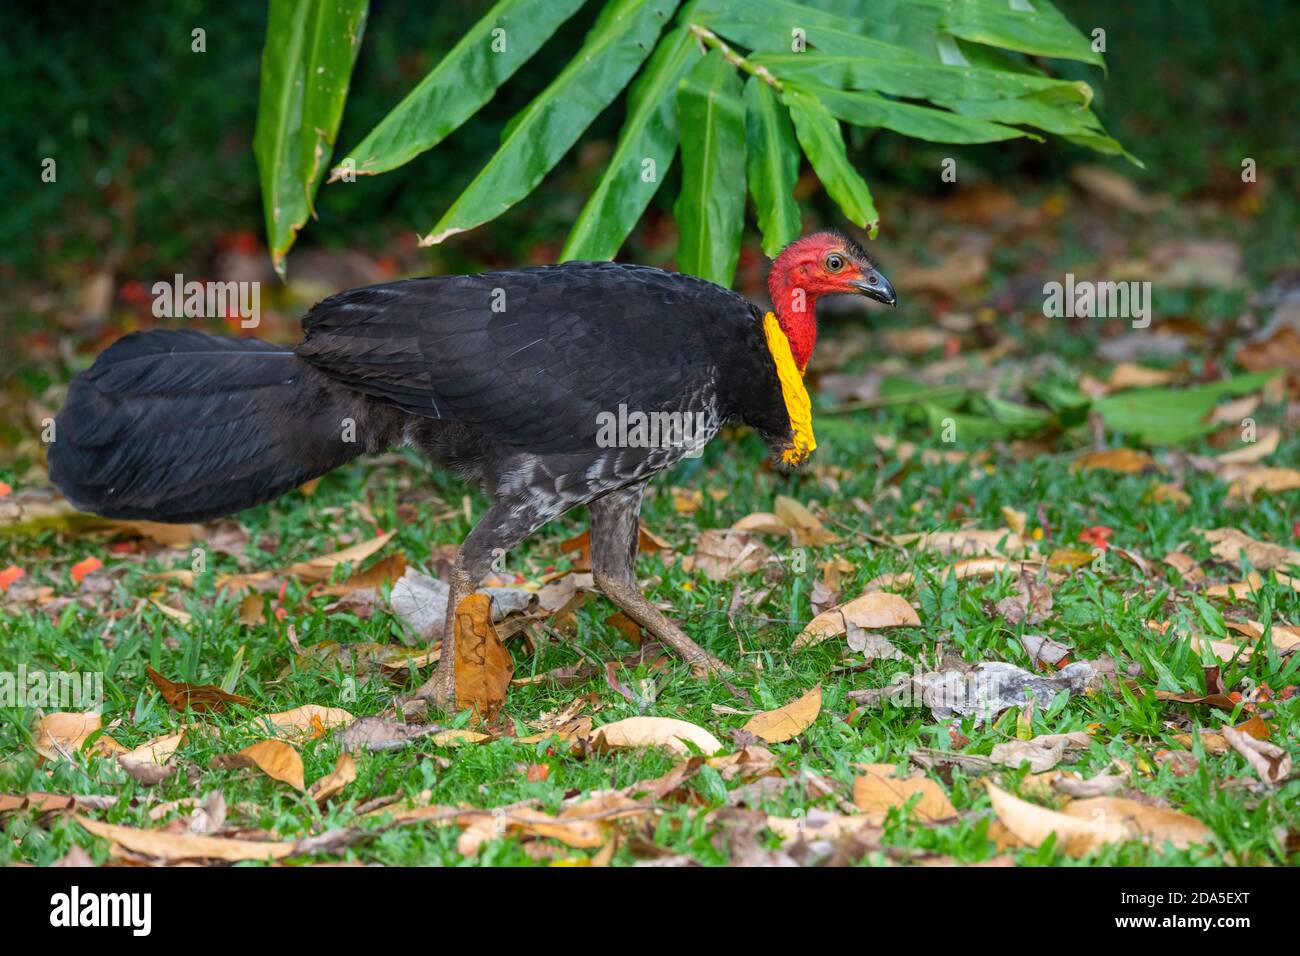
x: 1096, y: 613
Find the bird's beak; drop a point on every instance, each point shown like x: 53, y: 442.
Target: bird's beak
x: 875, y: 286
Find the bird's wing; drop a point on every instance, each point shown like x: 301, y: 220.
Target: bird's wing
x: 533, y: 356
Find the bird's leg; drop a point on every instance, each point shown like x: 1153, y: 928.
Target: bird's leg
x: 497, y: 532
x: 614, y: 536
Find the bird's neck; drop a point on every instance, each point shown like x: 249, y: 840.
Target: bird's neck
x: 796, y: 310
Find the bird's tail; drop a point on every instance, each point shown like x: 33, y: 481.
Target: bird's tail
x: 179, y: 426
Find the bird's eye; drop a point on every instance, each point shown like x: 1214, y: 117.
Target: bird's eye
x: 834, y: 262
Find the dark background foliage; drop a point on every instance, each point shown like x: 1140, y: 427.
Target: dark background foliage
x: 156, y: 169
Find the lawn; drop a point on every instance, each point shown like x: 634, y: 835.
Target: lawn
x: 1086, y: 532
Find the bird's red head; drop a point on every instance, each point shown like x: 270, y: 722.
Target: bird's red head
x: 824, y: 263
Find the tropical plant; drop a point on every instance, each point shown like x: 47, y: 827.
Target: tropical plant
x: 742, y: 87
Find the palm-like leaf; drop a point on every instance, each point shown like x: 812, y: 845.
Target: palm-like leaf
x: 711, y: 205
x: 642, y: 157
x: 535, y: 140
x: 462, y: 82
x: 948, y: 71
x: 305, y: 74
x: 772, y: 165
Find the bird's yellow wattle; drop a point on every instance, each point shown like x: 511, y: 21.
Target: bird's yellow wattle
x: 798, y: 405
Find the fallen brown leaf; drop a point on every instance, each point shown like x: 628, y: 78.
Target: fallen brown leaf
x: 1185, y: 565
x: 1043, y: 650
x: 173, y: 847
x: 61, y: 734
x: 385, y: 571
x: 820, y: 824
x: 1015, y: 519
x: 1042, y: 753
x: 656, y: 732
x: 873, y: 609
x: 1131, y: 375
x: 962, y: 269
x: 1270, y: 480
x: 1089, y: 824
x: 150, y: 762
x: 1245, y: 590
x: 332, y: 784
x: 580, y: 546
x: 970, y: 568
x: 321, y: 568
x: 172, y: 535
x: 1266, y: 442
x: 746, y: 764
x: 309, y: 720
x: 1168, y: 493
x: 1031, y: 604
x: 969, y: 542
x: 250, y: 609
x: 879, y: 790
x: 806, y: 529
x: 483, y: 664
x: 1112, y: 188
x: 1271, y: 762
x: 1281, y: 349
x: 1229, y: 543
x: 200, y: 698
x: 274, y: 758
x: 1124, y: 460
x: 789, y: 721
x: 721, y: 553
x: 1070, y: 559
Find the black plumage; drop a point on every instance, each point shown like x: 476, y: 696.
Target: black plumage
x: 180, y: 426
x: 504, y: 376
x: 531, y: 357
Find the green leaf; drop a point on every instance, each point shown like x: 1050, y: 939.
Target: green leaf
x: 1044, y: 110
x: 535, y: 139
x: 1052, y: 110
x: 778, y: 18
x: 965, y: 428
x: 1171, y: 416
x: 915, y: 33
x: 919, y: 122
x: 916, y: 80
x: 465, y: 79
x: 947, y: 29
x: 771, y: 166
x: 1019, y: 419
x: 819, y: 135
x: 710, y: 209
x: 649, y: 134
x: 306, y: 65
x: 768, y: 25
x: 1068, y: 403
x: 1040, y: 30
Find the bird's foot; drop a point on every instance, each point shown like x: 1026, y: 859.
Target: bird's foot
x: 440, y: 689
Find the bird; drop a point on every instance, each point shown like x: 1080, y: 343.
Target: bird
x: 549, y: 386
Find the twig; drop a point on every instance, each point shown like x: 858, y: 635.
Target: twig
x: 711, y: 39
